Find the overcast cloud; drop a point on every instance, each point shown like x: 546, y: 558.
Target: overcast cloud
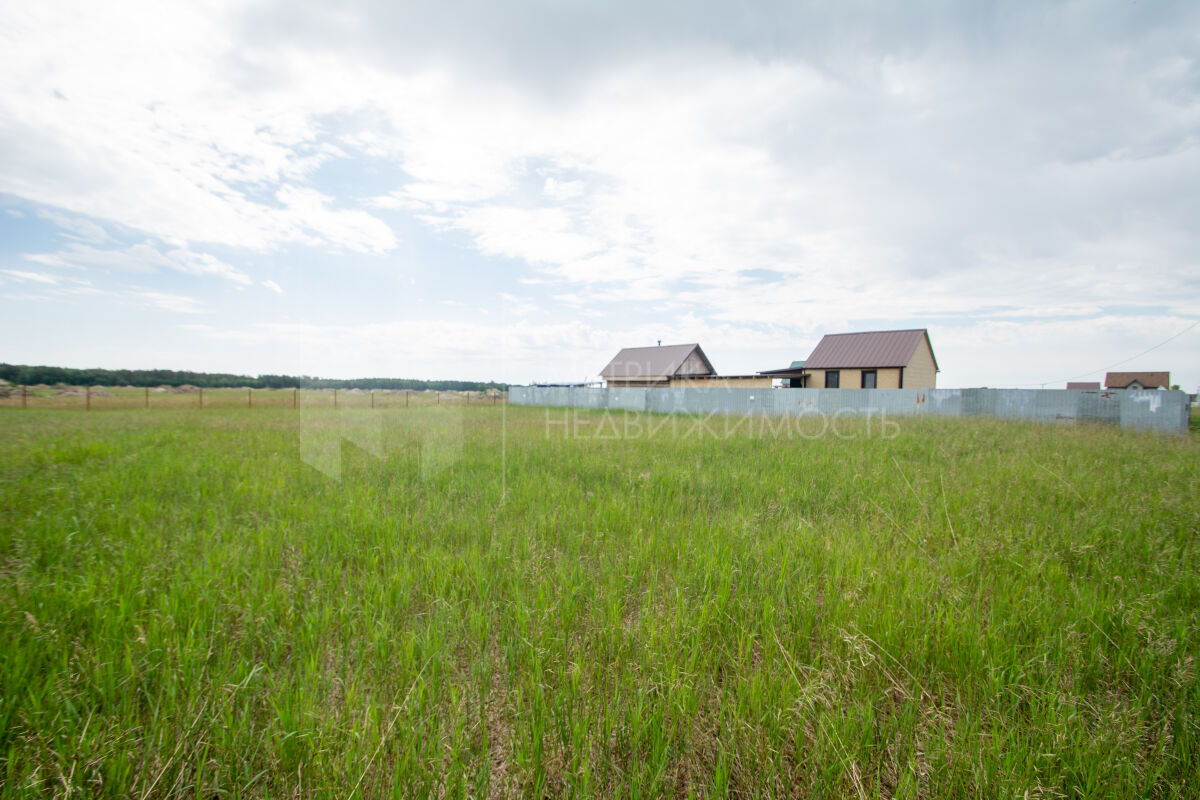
x: 515, y: 191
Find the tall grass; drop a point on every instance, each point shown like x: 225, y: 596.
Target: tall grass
x: 970, y: 609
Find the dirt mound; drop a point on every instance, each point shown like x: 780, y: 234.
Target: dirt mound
x: 186, y: 388
x: 77, y: 392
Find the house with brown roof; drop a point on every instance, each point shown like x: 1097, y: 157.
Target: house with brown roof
x: 1083, y: 384
x: 656, y: 366
x: 1137, y: 380
x: 872, y: 360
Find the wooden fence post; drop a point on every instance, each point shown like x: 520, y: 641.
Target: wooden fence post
x: 406, y: 398
x: 249, y: 398
x: 24, y: 397
x: 88, y: 390
x: 202, y: 397
x: 372, y: 398
x: 335, y: 398
x: 147, y: 397
x: 439, y: 398
x: 295, y: 396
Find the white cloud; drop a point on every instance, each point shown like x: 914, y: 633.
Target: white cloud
x: 76, y: 228
x: 144, y: 257
x: 177, y: 303
x: 315, y: 221
x: 161, y: 133
x: 273, y: 286
x: 31, y: 277
x: 12, y: 212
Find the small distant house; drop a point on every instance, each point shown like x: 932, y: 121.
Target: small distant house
x: 1137, y: 380
x: 872, y: 360
x: 1083, y: 385
x: 656, y: 366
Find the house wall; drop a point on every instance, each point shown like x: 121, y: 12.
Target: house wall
x: 693, y: 365
x: 921, y: 373
x: 889, y: 378
x: 726, y: 382
x: 617, y: 383
x: 850, y: 379
x: 885, y: 378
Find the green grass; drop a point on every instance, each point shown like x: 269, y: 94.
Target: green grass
x: 970, y: 609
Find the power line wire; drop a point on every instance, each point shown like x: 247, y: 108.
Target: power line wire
x: 1118, y: 363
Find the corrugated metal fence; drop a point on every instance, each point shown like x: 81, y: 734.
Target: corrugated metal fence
x: 1156, y: 410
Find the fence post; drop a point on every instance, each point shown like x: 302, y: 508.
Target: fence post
x: 24, y: 397
x: 249, y: 398
x: 468, y: 397
x: 439, y: 398
x: 88, y: 390
x: 295, y: 395
x: 372, y: 398
x: 335, y: 398
x: 147, y: 397
x: 406, y: 398
x: 202, y: 397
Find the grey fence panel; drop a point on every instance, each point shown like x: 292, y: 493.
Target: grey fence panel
x: 591, y: 398
x: 1014, y: 404
x: 1055, y: 405
x: 1098, y: 406
x: 628, y: 399
x: 1147, y: 410
x: 942, y: 401
x: 667, y: 401
x: 979, y: 403
x: 1154, y: 410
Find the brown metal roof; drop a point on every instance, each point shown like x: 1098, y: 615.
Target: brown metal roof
x: 652, y: 362
x: 1150, y: 380
x: 867, y: 349
x: 1083, y: 384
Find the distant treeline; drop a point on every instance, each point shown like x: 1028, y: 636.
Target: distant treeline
x: 29, y: 376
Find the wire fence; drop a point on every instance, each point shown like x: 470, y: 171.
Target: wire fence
x: 89, y: 398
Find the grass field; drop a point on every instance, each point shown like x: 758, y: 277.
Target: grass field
x: 969, y: 609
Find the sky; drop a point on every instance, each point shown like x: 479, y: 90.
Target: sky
x: 515, y: 191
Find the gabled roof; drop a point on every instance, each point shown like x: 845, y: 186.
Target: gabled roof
x: 1150, y: 380
x: 652, y: 362
x: 867, y: 349
x: 1083, y: 384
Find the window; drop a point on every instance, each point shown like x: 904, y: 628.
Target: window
x: 832, y: 379
x: 868, y: 379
